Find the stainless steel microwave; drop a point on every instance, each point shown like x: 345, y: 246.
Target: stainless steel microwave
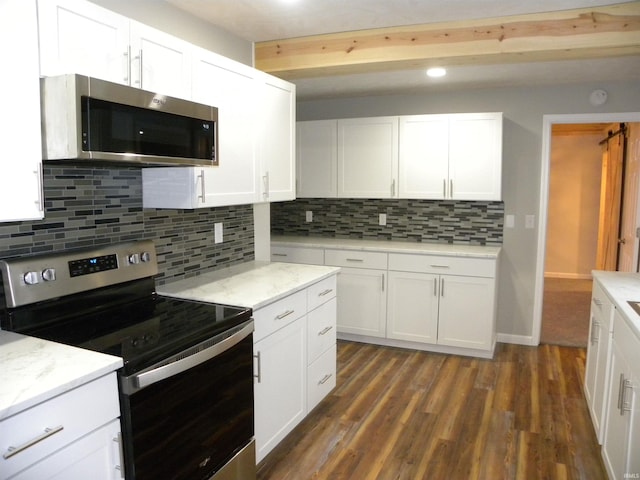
x: 87, y: 119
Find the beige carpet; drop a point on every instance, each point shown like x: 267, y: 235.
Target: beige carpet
x: 566, y: 311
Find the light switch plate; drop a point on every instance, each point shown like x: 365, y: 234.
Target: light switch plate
x: 217, y: 233
x: 309, y: 216
x: 529, y: 221
x: 382, y: 219
x: 510, y: 221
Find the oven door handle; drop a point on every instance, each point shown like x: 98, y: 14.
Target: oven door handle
x: 154, y: 374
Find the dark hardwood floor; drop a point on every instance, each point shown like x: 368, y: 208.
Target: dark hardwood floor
x: 402, y: 414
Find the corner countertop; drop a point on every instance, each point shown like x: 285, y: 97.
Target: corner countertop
x: 34, y: 370
x: 252, y: 284
x: 622, y: 287
x: 477, y: 251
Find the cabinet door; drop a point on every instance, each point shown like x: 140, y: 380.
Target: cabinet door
x: 230, y: 87
x: 424, y: 156
x: 95, y: 456
x: 281, y: 385
x: 475, y: 156
x: 317, y: 159
x: 594, y: 352
x: 362, y: 303
x: 277, y: 138
x: 413, y: 307
x: 20, y: 137
x: 159, y: 62
x: 466, y: 315
x: 368, y: 157
x: 77, y: 36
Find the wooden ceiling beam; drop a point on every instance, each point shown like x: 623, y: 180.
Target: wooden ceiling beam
x: 608, y: 31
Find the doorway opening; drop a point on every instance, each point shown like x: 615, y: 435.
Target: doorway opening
x: 549, y: 121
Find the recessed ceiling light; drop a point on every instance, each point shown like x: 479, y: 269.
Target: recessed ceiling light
x: 436, y: 72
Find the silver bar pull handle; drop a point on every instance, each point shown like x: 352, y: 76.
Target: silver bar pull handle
x: 451, y: 188
x: 621, y: 394
x: 626, y: 405
x: 326, y: 292
x: 48, y: 432
x: 442, y: 287
x: 383, y: 282
x: 439, y: 266
x: 140, y: 69
x: 325, y: 379
x: 355, y: 260
x: 444, y: 188
x: 265, y: 181
x: 435, y: 287
x: 597, y: 302
x: 40, y: 199
x: 325, y: 330
x: 201, y: 197
x: 279, y: 255
x: 285, y: 314
x: 120, y: 465
x: 258, y: 376
x: 393, y: 188
x: 127, y: 66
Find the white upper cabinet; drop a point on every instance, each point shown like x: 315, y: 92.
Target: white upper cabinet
x: 367, y: 157
x: 475, y: 156
x: 276, y: 104
x: 79, y: 37
x: 424, y: 156
x: 317, y: 159
x: 457, y: 156
x: 21, y: 196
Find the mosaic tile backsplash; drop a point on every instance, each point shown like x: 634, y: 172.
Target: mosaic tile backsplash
x: 99, y: 206
x: 454, y: 222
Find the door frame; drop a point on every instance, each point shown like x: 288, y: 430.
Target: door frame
x: 547, y: 122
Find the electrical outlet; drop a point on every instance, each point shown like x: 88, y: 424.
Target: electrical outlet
x: 309, y: 215
x: 382, y: 219
x: 217, y: 233
x: 529, y: 221
x: 510, y: 221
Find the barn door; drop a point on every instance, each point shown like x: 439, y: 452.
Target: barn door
x: 628, y: 251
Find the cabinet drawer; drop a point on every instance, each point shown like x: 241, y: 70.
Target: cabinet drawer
x: 321, y: 329
x: 321, y: 378
x: 321, y: 292
x: 356, y: 259
x: 272, y: 317
x: 78, y: 412
x: 311, y: 256
x: 473, y: 267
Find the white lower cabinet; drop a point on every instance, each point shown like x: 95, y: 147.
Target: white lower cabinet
x: 280, y: 387
x: 295, y: 360
x: 425, y: 301
x: 621, y: 446
x: 63, y: 438
x: 596, y: 383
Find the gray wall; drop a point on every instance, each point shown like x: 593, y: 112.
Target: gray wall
x: 523, y: 110
x: 163, y: 16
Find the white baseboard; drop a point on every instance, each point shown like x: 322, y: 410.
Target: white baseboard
x: 516, y: 339
x: 572, y: 276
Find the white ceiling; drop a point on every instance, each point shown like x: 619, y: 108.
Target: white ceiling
x: 259, y: 20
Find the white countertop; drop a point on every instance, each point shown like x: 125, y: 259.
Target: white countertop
x: 387, y: 246
x: 34, y: 370
x: 252, y: 284
x: 622, y: 287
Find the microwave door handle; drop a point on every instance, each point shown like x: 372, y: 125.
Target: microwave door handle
x: 144, y: 379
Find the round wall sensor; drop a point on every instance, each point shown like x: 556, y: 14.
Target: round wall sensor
x: 598, y: 97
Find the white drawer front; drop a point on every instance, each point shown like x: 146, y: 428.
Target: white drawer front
x: 78, y: 412
x: 321, y: 330
x: 321, y: 292
x: 473, y: 267
x: 321, y: 378
x: 356, y: 259
x: 311, y: 256
x: 278, y: 314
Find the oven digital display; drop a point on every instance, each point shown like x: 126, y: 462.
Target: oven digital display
x: 86, y: 266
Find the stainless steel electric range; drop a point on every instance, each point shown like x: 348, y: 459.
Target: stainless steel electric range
x: 186, y: 387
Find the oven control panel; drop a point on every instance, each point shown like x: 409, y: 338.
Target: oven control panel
x: 36, y: 278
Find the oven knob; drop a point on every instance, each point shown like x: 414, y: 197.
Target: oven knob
x: 134, y: 259
x: 49, y: 274
x: 145, y: 256
x: 31, y: 278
